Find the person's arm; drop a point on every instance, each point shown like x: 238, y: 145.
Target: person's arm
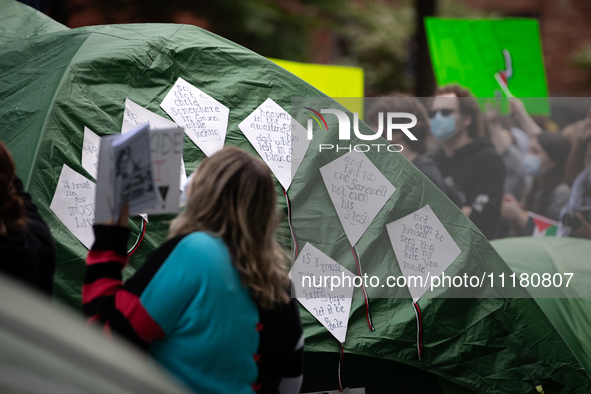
x: 512, y: 211
x: 499, y: 136
x: 146, y: 307
x: 523, y: 119
x: 584, y: 231
x: 104, y: 296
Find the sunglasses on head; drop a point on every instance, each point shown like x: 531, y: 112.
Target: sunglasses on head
x: 444, y: 112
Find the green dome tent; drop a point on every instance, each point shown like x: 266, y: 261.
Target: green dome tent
x: 570, y: 308
x: 55, y: 81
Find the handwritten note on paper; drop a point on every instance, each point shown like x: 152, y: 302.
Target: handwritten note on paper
x: 166, y: 148
x: 423, y: 247
x: 204, y: 118
x: 324, y: 288
x: 73, y: 203
x: 136, y: 115
x: 90, y: 151
x: 271, y: 131
x: 358, y: 191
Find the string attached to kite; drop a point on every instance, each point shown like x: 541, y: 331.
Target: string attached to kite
x: 341, y: 361
x: 296, y: 250
x: 139, y: 239
x: 419, y: 317
x: 367, y: 311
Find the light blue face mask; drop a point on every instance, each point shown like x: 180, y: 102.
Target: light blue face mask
x: 443, y: 127
x: 531, y: 164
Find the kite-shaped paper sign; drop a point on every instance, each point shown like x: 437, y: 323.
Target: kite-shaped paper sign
x: 74, y: 204
x: 423, y: 248
x: 273, y: 133
x: 90, y: 151
x: 136, y: 115
x: 358, y: 191
x: 324, y: 288
x: 204, y: 118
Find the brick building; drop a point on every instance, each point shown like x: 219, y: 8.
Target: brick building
x: 565, y: 29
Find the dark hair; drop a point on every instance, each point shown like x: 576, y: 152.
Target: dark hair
x: 557, y: 148
x: 125, y: 152
x: 468, y: 106
x: 399, y: 102
x: 12, y: 207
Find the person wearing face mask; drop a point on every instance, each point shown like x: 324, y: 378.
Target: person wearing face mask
x: 474, y: 174
x: 413, y: 151
x: 545, y: 162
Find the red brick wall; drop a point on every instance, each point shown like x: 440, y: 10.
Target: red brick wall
x: 565, y: 26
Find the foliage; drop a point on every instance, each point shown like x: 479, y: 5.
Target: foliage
x: 279, y: 29
x: 380, y: 38
x: 376, y: 35
x: 582, y: 57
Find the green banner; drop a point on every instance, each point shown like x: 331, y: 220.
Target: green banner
x: 469, y: 52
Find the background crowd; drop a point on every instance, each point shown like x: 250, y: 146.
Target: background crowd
x: 499, y: 168
x: 504, y: 169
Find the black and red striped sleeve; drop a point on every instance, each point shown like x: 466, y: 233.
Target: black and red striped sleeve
x: 109, y: 301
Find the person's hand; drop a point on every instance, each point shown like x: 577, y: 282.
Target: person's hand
x: 512, y: 211
x: 586, y: 132
x: 123, y: 218
x: 584, y: 231
x: 492, y: 117
x: 467, y: 209
x: 517, y: 107
x: 499, y: 136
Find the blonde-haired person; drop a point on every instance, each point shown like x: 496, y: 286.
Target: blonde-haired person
x: 212, y: 303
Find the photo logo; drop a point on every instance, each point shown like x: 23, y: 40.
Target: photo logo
x: 345, y: 124
x: 316, y: 119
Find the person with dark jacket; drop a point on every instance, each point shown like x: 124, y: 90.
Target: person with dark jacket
x: 413, y: 151
x: 473, y: 173
x: 27, y: 249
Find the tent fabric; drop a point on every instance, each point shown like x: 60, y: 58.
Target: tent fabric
x: 47, y: 348
x: 570, y: 311
x: 55, y: 83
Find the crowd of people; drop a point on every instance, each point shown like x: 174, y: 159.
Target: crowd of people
x: 500, y: 170
x: 494, y: 167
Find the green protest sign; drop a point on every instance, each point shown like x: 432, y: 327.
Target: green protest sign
x: 491, y: 57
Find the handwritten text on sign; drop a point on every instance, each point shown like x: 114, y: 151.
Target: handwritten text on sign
x: 358, y: 191
x: 73, y: 203
x: 204, y: 118
x: 90, y: 151
x: 423, y: 248
x: 273, y: 133
x: 314, y: 276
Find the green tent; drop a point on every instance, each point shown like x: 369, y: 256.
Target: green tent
x: 569, y: 309
x: 54, y: 81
